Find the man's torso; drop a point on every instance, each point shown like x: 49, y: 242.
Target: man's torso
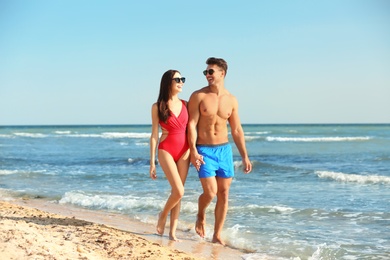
x: 214, y: 113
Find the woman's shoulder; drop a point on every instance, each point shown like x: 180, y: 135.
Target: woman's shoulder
x: 155, y: 107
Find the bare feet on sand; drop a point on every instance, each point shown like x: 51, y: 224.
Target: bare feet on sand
x: 218, y: 240
x: 173, y: 237
x: 160, y: 225
x: 199, y: 227
x: 200, y: 230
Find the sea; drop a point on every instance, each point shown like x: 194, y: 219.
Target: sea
x: 317, y: 191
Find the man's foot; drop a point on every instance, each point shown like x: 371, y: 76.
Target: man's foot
x: 199, y: 227
x: 160, y: 225
x: 218, y: 240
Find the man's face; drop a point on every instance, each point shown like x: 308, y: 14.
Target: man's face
x: 214, y: 74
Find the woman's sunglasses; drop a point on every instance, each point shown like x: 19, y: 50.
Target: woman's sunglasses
x: 210, y: 72
x: 178, y: 80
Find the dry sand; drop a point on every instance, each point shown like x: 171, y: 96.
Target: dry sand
x: 37, y: 229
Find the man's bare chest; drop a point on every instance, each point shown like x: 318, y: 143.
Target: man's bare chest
x: 216, y: 107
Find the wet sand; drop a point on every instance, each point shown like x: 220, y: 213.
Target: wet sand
x: 39, y: 229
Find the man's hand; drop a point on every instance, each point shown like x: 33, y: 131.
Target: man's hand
x: 246, y: 165
x: 197, y: 160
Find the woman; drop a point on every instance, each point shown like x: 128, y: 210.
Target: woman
x: 173, y: 154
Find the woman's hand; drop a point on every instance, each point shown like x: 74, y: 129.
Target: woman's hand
x: 152, y: 172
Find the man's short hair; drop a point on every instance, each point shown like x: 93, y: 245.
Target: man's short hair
x: 219, y: 62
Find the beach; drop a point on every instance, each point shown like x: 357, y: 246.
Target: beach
x: 38, y: 229
x: 315, y: 192
x: 28, y: 233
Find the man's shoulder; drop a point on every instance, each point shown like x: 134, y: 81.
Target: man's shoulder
x: 228, y: 94
x: 201, y: 90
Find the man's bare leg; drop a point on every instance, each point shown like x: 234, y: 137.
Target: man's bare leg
x: 221, y: 208
x: 209, y: 191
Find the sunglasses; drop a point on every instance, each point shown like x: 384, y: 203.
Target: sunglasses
x: 178, y: 80
x: 210, y: 72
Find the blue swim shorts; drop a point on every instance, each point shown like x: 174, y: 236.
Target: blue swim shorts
x: 218, y: 160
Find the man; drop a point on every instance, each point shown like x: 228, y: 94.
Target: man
x: 210, y: 108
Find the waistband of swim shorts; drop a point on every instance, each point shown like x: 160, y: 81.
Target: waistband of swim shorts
x: 212, y: 145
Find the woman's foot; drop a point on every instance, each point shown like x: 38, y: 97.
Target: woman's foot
x: 218, y: 240
x: 173, y: 237
x: 160, y: 225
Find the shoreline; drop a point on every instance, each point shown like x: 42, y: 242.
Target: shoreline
x: 26, y: 222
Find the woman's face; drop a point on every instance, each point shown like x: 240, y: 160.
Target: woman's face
x: 177, y: 83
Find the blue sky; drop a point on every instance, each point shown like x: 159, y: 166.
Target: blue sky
x: 100, y: 62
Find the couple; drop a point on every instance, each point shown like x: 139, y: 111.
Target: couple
x: 198, y: 135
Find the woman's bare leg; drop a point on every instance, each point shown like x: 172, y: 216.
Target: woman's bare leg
x: 177, y: 188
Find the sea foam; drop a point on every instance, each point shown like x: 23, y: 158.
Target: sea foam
x: 344, y: 177
x: 7, y: 172
x: 317, y: 139
x: 32, y: 135
x: 111, y: 202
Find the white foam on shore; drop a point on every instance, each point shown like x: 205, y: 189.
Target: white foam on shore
x: 109, y: 201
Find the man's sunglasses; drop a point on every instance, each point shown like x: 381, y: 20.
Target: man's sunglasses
x: 178, y: 80
x: 210, y: 72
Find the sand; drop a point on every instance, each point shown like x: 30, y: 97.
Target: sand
x: 38, y: 229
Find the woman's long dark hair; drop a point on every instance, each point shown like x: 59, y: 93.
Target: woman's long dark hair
x: 165, y: 94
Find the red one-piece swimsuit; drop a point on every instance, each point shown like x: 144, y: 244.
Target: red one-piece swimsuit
x: 175, y: 143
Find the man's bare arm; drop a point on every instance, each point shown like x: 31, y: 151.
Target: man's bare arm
x: 238, y: 137
x: 192, y: 134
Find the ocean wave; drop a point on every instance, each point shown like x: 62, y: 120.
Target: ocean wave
x: 256, y: 164
x: 142, y: 144
x: 7, y: 172
x: 125, y: 135
x: 258, y: 133
x: 112, y: 135
x: 263, y: 208
x: 317, y: 139
x: 59, y: 134
x: 27, y: 173
x: 250, y: 138
x: 32, y: 135
x: 237, y: 164
x: 109, y: 201
x: 139, y: 161
x: 63, y: 132
x: 344, y: 177
x: 6, y: 136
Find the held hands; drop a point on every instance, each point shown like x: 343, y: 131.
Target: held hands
x: 197, y: 160
x: 152, y: 172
